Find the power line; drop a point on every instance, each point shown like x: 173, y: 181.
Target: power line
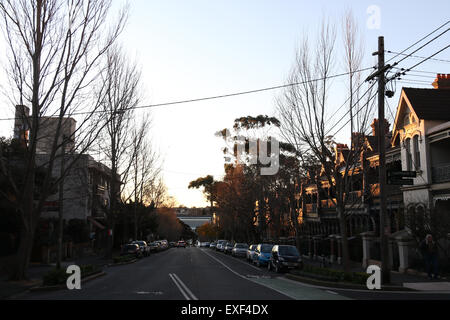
x: 358, y: 111
x: 418, y: 57
x: 342, y: 118
x: 418, y: 71
x: 218, y: 96
x: 420, y: 40
x: 422, y: 46
x: 419, y: 63
x: 404, y: 71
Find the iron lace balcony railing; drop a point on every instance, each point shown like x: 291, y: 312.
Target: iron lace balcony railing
x: 441, y: 173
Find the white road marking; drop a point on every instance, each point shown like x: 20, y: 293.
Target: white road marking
x: 247, y: 264
x: 360, y: 290
x: 332, y: 292
x: 243, y: 277
x: 188, y: 295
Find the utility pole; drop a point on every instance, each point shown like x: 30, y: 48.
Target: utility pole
x: 385, y: 267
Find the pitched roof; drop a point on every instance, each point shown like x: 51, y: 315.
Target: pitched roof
x: 430, y: 104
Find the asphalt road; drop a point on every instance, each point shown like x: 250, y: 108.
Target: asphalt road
x: 204, y: 274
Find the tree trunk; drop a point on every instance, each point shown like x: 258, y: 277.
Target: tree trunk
x: 23, y: 255
x: 344, y: 240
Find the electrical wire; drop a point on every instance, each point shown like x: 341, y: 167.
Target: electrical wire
x: 218, y: 96
x: 420, y: 40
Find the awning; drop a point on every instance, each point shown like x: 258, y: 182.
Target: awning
x: 96, y: 223
x: 441, y: 197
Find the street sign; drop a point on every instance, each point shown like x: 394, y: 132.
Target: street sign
x: 402, y: 174
x: 395, y: 177
x: 400, y: 182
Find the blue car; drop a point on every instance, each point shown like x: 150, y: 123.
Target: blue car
x: 262, y: 253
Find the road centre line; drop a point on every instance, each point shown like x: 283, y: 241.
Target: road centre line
x: 188, y: 295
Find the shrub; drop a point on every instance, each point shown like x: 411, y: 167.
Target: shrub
x: 59, y: 276
x: 55, y: 277
x: 334, y: 275
x: 120, y: 259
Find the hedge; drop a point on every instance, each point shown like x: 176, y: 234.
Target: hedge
x: 59, y: 276
x: 333, y: 275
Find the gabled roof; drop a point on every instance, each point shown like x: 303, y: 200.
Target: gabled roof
x: 430, y: 104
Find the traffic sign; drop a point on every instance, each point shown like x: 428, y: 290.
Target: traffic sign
x: 395, y: 177
x: 400, y: 182
x: 402, y: 174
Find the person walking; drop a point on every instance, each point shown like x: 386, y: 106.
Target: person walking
x: 430, y: 254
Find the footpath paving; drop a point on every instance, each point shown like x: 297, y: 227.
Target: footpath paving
x: 418, y: 281
x: 37, y: 271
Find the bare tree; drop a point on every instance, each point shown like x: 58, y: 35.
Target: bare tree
x: 55, y: 50
x: 304, y: 112
x: 122, y: 95
x: 146, y: 168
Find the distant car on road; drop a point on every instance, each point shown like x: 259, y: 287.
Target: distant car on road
x: 145, y: 249
x: 239, y: 250
x: 213, y: 245
x: 228, y: 247
x: 284, y: 257
x: 181, y: 243
x: 154, y: 246
x: 251, y: 252
x: 221, y: 245
x: 164, y: 244
x: 262, y: 254
x: 131, y: 249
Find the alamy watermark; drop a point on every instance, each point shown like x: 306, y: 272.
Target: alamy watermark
x: 266, y: 152
x: 374, y: 20
x: 374, y: 281
x: 74, y: 280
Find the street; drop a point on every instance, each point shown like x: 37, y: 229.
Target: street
x: 203, y: 274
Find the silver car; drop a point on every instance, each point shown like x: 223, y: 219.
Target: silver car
x: 239, y: 250
x: 228, y: 247
x: 221, y: 245
x: 251, y: 252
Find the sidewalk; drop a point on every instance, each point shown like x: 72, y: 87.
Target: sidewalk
x: 36, y: 271
x: 418, y: 281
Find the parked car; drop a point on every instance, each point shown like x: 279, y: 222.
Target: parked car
x: 145, y: 249
x: 239, y: 250
x: 262, y: 254
x: 228, y: 247
x: 164, y: 244
x: 181, y: 243
x: 154, y: 246
x: 213, y: 245
x: 221, y: 245
x: 131, y: 249
x: 172, y: 244
x: 284, y: 257
x: 251, y: 252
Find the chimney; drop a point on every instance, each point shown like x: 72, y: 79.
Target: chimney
x: 442, y: 81
x: 21, y: 123
x: 374, y: 126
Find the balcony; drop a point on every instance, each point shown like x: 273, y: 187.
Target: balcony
x: 327, y: 204
x: 100, y: 190
x: 311, y: 208
x: 441, y: 173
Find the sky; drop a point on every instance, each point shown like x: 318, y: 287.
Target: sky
x: 201, y: 48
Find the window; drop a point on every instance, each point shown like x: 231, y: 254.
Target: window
x: 406, y: 120
x: 408, y: 154
x: 416, y: 152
